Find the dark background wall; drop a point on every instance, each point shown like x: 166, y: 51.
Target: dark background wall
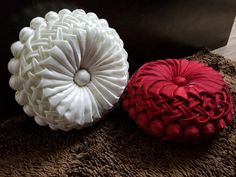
x: 150, y: 29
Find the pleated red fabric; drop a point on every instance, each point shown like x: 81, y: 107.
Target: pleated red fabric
x: 178, y: 100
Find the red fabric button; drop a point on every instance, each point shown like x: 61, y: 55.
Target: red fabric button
x: 180, y: 81
x: 178, y: 100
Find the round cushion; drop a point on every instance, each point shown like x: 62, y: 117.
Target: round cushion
x: 69, y: 69
x: 178, y: 100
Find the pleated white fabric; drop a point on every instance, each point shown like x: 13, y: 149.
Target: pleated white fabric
x: 69, y: 69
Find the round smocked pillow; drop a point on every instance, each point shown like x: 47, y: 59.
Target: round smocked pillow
x: 69, y: 69
x: 178, y: 100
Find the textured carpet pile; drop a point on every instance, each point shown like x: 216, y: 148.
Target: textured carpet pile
x: 115, y: 146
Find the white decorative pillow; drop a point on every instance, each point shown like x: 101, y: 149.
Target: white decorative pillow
x: 68, y: 69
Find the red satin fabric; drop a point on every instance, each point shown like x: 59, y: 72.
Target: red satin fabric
x: 178, y: 100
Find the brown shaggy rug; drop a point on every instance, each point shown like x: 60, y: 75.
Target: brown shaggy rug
x: 115, y: 146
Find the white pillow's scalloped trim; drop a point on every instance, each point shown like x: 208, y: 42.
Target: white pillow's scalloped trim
x: 47, y: 66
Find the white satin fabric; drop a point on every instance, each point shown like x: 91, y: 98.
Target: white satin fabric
x: 47, y: 60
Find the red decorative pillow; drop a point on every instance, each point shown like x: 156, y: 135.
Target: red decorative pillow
x: 178, y: 100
